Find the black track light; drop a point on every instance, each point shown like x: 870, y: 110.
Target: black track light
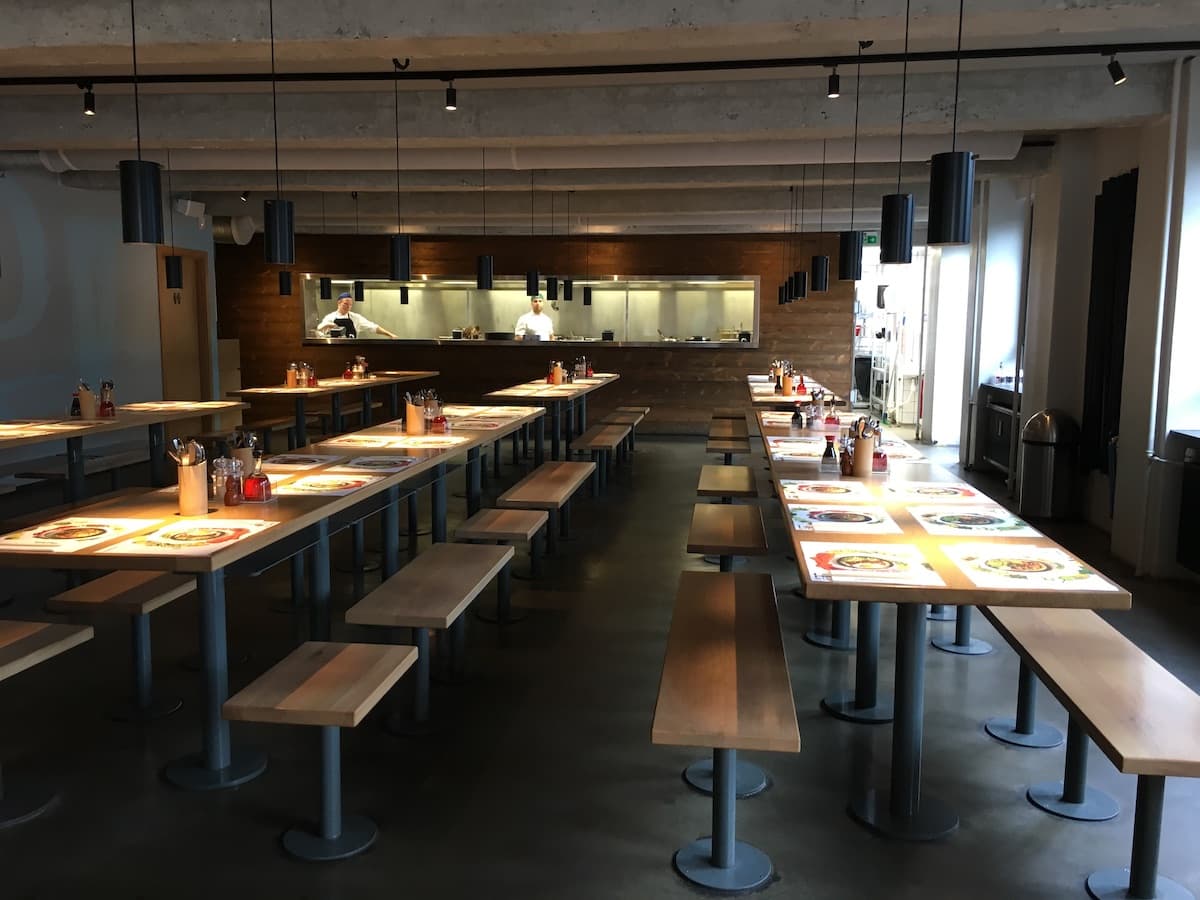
x: 404, y: 295
x: 451, y: 97
x: 587, y: 295
x: 551, y: 289
x: 89, y: 100
x: 1115, y: 70
x: 531, y: 283
x: 568, y: 290
x: 285, y: 283
x: 835, y: 85
x: 360, y: 292
x: 401, y: 257
x: 326, y: 286
x: 174, y: 266
x: 484, y: 266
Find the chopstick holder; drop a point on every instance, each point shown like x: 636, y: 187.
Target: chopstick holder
x: 193, y: 490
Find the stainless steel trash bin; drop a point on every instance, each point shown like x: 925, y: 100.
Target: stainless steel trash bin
x: 1049, y: 465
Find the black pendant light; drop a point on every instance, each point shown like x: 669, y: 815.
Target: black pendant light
x: 551, y: 289
x: 400, y: 256
x: 820, y: 262
x: 896, y: 220
x: 279, y: 224
x: 360, y: 292
x: 484, y: 264
x: 799, y: 276
x: 952, y: 177
x: 850, y: 243
x: 587, y: 262
x: 285, y: 283
x: 404, y: 295
x: 89, y: 99
x: 782, y: 294
x: 325, y: 284
x: 787, y: 292
x: 174, y: 262
x: 531, y: 275
x: 141, y: 187
x: 568, y: 284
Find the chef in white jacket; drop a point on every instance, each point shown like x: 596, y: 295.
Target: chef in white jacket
x: 535, y: 324
x: 352, y: 324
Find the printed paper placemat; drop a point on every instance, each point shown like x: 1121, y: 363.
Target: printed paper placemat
x: 1008, y: 566
x: 845, y: 519
x: 69, y: 535
x: 895, y: 564
x: 957, y: 519
x: 376, y: 464
x: 325, y: 485
x: 825, y: 491
x: 932, y: 492
x: 190, y: 537
x: 297, y: 462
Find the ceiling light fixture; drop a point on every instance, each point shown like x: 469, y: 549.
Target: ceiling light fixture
x: 141, y: 185
x: 400, y: 243
x: 484, y: 264
x: 360, y: 292
x: 173, y: 263
x: 786, y: 285
x: 404, y: 295
x: 279, y: 223
x: 850, y: 243
x: 451, y: 97
x: 952, y: 177
x: 587, y: 261
x: 896, y: 225
x: 799, y: 276
x: 820, y: 261
x: 834, y: 89
x: 244, y: 196
x: 89, y: 99
x: 1115, y: 70
x: 568, y: 282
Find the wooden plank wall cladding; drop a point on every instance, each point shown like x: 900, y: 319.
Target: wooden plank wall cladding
x: 681, y: 384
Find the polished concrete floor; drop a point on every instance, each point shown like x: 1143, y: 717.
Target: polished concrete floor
x: 541, y: 781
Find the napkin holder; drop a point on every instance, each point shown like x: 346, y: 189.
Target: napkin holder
x: 193, y: 490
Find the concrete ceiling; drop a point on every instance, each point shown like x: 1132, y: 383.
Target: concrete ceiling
x: 670, y: 152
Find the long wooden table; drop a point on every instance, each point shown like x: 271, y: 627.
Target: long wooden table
x: 763, y: 395
x: 333, y: 388
x: 890, y: 538
x: 552, y: 396
x: 152, y: 415
x: 144, y: 532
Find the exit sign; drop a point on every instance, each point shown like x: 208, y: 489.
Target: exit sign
x: 871, y: 239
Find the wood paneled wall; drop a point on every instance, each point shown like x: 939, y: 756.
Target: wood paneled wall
x: 679, y: 382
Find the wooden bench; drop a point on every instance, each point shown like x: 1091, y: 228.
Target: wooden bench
x: 729, y: 412
x: 631, y: 417
x: 605, y: 443
x: 101, y: 459
x: 726, y: 482
x: 22, y: 646
x: 1144, y: 719
x: 727, y: 447
x: 727, y: 531
x: 550, y: 487
x: 725, y: 685
x: 348, y: 410
x: 728, y: 429
x: 506, y: 526
x: 644, y: 410
x: 136, y: 595
x: 331, y: 686
x: 433, y: 591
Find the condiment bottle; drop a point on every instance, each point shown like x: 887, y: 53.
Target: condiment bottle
x: 292, y: 376
x: 829, y: 461
x: 257, y: 487
x: 349, y: 372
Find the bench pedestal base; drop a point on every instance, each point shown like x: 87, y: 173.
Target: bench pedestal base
x: 932, y: 820
x: 1113, y: 884
x: 749, y: 779
x: 1042, y: 737
x: 1097, y: 806
x: 24, y: 800
x: 973, y: 647
x: 751, y: 868
x: 843, y: 706
x: 941, y: 613
x: 358, y: 834
x: 190, y: 774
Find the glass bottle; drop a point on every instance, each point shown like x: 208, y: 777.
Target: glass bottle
x: 292, y: 375
x: 349, y: 372
x: 108, y: 407
x: 257, y: 486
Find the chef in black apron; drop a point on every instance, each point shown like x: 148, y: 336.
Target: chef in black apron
x: 352, y: 324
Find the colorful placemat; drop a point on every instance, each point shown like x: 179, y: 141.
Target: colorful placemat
x: 960, y: 519
x: 932, y: 492
x: 1008, y: 566
x: 843, y: 519
x: 376, y: 464
x: 71, y: 534
x: 297, y: 462
x: 896, y: 564
x: 326, y: 485
x: 825, y: 491
x: 190, y: 537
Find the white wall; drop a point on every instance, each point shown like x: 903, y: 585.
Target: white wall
x: 947, y: 287
x: 1006, y: 216
x: 74, y: 300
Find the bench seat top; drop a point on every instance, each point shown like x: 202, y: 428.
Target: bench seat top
x: 644, y: 410
x: 25, y: 644
x: 602, y: 437
x: 725, y: 681
x: 729, y: 412
x: 624, y: 417
x: 727, y: 445
x: 101, y: 459
x: 727, y: 481
x: 728, y: 428
x: 502, y: 525
x: 322, y: 683
x: 727, y: 530
x: 132, y: 592
x: 1145, y: 719
x: 550, y: 485
x: 434, y: 589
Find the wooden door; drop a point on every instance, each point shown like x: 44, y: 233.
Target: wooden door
x: 184, y: 336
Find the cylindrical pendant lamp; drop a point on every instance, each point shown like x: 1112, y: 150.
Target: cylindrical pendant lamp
x: 141, y: 202
x: 820, y: 274
x: 951, y: 195
x: 568, y: 289
x: 279, y: 232
x: 800, y: 279
x: 850, y: 249
x: 551, y: 289
x: 587, y: 295
x: 401, y: 257
x: 484, y: 278
x: 404, y: 295
x: 896, y: 231
x: 789, y: 289
x: 174, y: 267
x: 531, y: 283
x: 285, y: 283
x: 326, y: 285
x: 360, y: 292
x: 782, y: 294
